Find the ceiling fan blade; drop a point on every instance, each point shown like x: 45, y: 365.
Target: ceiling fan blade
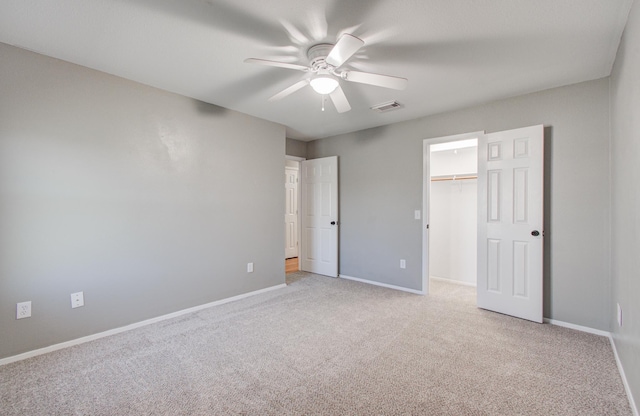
x: 344, y: 49
x: 386, y: 81
x: 289, y: 90
x: 340, y: 100
x: 276, y: 63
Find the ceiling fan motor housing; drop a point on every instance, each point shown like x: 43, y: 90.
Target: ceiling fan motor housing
x: 317, y: 55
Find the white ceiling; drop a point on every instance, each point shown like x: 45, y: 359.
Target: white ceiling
x: 455, y: 53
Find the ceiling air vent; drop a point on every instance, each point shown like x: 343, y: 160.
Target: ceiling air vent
x: 384, y: 107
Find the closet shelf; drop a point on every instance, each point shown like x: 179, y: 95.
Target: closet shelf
x: 453, y: 177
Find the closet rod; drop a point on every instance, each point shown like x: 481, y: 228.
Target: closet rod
x: 452, y: 178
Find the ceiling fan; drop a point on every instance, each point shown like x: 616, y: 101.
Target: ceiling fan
x: 325, y: 61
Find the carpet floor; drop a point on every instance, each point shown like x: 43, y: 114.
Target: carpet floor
x: 327, y: 346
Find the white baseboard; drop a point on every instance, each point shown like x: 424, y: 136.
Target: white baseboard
x: 577, y: 327
x: 371, y: 282
x: 110, y: 332
x: 607, y: 334
x: 627, y: 389
x: 456, y: 282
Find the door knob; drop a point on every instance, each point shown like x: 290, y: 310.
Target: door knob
x: 333, y: 223
x: 535, y: 233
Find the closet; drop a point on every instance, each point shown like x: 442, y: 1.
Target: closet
x: 453, y: 211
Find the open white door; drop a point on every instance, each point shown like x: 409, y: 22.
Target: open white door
x: 319, y: 248
x: 510, y: 235
x: 291, y: 213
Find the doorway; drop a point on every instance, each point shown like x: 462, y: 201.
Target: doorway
x: 311, y: 215
x: 446, y: 160
x: 509, y: 202
x: 292, y: 214
x: 453, y: 221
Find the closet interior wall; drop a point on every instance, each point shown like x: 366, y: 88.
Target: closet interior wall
x: 453, y: 215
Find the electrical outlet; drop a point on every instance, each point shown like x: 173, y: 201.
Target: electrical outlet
x: 23, y: 310
x: 403, y: 264
x: 619, y: 315
x: 77, y: 299
x: 249, y: 267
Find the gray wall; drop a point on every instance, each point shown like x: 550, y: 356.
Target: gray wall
x: 147, y: 201
x: 625, y: 200
x: 381, y: 186
x: 296, y: 148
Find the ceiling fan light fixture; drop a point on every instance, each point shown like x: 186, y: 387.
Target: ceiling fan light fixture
x: 324, y: 84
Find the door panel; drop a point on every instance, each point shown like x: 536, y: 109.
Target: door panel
x: 493, y: 265
x: 493, y: 190
x: 319, y: 178
x: 510, y: 208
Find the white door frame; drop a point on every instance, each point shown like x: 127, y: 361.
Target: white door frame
x: 426, y: 192
x: 297, y: 159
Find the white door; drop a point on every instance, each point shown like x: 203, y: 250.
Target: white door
x: 319, y: 248
x: 291, y: 212
x: 510, y: 235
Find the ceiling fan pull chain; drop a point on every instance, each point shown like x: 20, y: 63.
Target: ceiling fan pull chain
x: 324, y: 98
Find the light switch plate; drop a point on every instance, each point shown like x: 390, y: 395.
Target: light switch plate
x: 417, y: 214
x: 619, y: 315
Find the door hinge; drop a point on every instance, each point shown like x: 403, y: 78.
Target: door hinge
x: 427, y: 226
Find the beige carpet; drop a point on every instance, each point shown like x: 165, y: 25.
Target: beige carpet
x: 327, y: 346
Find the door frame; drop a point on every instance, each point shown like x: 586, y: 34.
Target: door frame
x: 297, y: 159
x: 426, y: 195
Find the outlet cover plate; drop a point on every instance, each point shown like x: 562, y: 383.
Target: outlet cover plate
x: 77, y: 299
x: 23, y: 310
x: 249, y: 267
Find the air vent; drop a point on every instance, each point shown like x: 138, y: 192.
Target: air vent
x: 384, y: 107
